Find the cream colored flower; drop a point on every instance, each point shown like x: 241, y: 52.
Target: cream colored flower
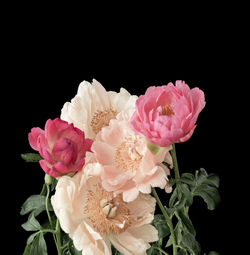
x: 93, y: 107
x: 95, y: 219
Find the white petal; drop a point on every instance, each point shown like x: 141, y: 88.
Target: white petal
x: 130, y: 195
x: 118, y: 246
x: 159, y: 179
x: 132, y: 244
x: 143, y: 205
x: 146, y: 232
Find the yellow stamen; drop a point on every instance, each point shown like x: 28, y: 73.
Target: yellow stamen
x: 167, y: 110
x: 101, y: 119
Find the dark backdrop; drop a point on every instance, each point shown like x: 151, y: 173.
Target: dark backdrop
x: 46, y: 67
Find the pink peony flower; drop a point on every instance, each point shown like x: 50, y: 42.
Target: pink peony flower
x: 62, y: 146
x: 167, y: 114
x: 129, y: 167
x: 95, y: 219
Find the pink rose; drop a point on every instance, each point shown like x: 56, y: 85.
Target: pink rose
x: 167, y: 114
x: 62, y: 146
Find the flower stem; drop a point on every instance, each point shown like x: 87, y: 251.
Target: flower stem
x: 58, y: 237
x: 47, y: 210
x: 168, y: 220
x: 47, y: 205
x: 175, y: 163
x: 43, y: 190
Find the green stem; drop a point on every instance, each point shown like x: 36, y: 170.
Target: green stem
x: 175, y: 163
x: 159, y: 249
x: 47, y: 210
x: 48, y: 231
x: 58, y: 237
x: 47, y: 205
x: 43, y: 189
x: 168, y: 220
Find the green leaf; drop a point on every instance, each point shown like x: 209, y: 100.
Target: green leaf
x: 187, y: 178
x: 178, y: 234
x: 160, y: 224
x: 27, y: 250
x: 31, y: 157
x: 170, y: 211
x: 187, y: 223
x: 181, y: 203
x: 209, y: 194
x: 34, y: 203
x: 186, y: 193
x: 212, y: 180
x: 200, y: 176
x: 213, y: 253
x: 206, y: 187
x: 182, y: 252
x: 153, y: 251
x: 191, y: 244
x: 173, y: 198
x: 31, y: 237
x: 32, y: 224
x: 38, y: 247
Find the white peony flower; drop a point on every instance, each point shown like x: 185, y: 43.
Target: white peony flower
x: 93, y: 107
x: 95, y: 219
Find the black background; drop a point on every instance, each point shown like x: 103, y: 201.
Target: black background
x: 45, y: 64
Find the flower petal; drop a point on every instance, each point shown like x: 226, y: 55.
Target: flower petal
x: 146, y: 232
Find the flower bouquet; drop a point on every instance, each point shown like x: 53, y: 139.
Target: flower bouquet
x: 104, y: 159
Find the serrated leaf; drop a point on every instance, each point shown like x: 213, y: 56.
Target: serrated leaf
x: 173, y: 198
x: 178, y: 234
x: 206, y: 187
x: 212, y: 180
x: 31, y: 157
x: 38, y: 246
x: 187, y: 178
x: 187, y: 223
x: 160, y: 224
x: 186, y: 193
x: 32, y: 224
x: 200, y: 176
x: 181, y: 203
x: 34, y: 203
x: 170, y: 211
x: 188, y: 240
x: 209, y: 194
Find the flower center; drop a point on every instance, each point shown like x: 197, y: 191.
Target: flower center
x: 127, y: 155
x: 107, y: 214
x: 167, y: 110
x: 108, y: 208
x: 101, y: 119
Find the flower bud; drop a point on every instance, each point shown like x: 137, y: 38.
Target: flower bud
x: 47, y: 179
x: 155, y: 149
